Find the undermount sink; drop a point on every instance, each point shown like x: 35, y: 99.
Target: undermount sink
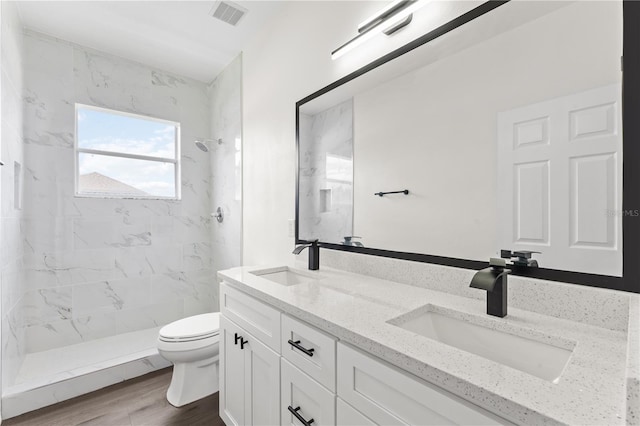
x: 531, y: 356
x: 283, y: 275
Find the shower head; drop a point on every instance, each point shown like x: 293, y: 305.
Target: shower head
x: 202, y: 143
x: 202, y: 146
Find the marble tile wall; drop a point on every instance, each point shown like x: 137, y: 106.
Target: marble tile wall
x: 326, y: 174
x: 99, y: 267
x: 11, y: 174
x: 225, y: 95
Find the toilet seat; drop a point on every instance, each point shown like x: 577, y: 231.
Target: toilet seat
x: 186, y: 346
x: 197, y: 327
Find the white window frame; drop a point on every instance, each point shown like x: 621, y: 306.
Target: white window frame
x: 175, y: 161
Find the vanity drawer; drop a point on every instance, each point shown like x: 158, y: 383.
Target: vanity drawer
x: 311, y: 350
x: 390, y: 396
x: 346, y: 415
x: 259, y: 319
x: 305, y: 396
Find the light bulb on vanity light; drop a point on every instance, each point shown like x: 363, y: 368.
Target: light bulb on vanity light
x: 389, y: 18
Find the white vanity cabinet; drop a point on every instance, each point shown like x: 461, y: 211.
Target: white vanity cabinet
x: 249, y: 369
x: 299, y: 375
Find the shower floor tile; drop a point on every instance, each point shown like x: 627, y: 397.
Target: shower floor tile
x: 54, y: 365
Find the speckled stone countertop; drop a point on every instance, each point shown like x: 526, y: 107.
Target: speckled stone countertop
x: 356, y: 309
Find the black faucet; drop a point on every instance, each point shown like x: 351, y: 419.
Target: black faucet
x: 494, y: 280
x: 348, y: 241
x: 520, y: 259
x: 314, y: 254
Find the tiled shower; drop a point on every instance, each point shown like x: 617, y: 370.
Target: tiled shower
x: 87, y: 282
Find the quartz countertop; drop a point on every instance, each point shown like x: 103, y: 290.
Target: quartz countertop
x: 356, y: 309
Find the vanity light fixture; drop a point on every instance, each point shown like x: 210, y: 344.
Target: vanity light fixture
x: 392, y: 18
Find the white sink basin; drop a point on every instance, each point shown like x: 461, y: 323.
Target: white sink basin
x: 525, y: 354
x: 283, y: 275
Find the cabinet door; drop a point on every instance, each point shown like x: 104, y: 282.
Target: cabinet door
x: 262, y: 383
x: 308, y: 398
x: 232, y: 375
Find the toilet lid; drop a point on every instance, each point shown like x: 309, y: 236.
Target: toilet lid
x: 203, y: 325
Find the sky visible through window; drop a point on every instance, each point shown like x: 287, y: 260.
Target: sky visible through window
x: 115, y: 133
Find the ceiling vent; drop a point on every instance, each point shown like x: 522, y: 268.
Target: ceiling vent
x: 228, y: 12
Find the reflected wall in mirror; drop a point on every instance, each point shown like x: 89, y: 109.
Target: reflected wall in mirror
x: 507, y: 131
x: 326, y: 173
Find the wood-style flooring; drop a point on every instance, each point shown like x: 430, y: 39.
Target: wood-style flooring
x: 140, y: 401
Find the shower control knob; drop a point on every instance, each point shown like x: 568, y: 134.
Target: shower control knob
x: 218, y: 215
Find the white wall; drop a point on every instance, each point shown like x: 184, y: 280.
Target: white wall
x: 11, y: 242
x: 289, y: 60
x: 434, y: 130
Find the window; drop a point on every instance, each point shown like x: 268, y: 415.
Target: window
x: 122, y: 155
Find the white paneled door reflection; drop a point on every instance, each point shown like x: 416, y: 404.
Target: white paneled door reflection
x: 560, y: 181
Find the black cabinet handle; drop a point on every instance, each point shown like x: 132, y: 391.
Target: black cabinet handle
x: 297, y: 345
x: 294, y: 411
x: 237, y: 338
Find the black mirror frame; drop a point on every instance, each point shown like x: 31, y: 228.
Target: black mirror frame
x: 630, y: 280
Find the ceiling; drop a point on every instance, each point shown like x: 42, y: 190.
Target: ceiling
x: 176, y: 36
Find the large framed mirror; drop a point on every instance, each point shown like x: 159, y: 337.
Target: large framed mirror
x: 501, y: 129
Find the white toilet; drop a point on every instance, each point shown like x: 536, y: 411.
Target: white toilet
x: 192, y: 345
